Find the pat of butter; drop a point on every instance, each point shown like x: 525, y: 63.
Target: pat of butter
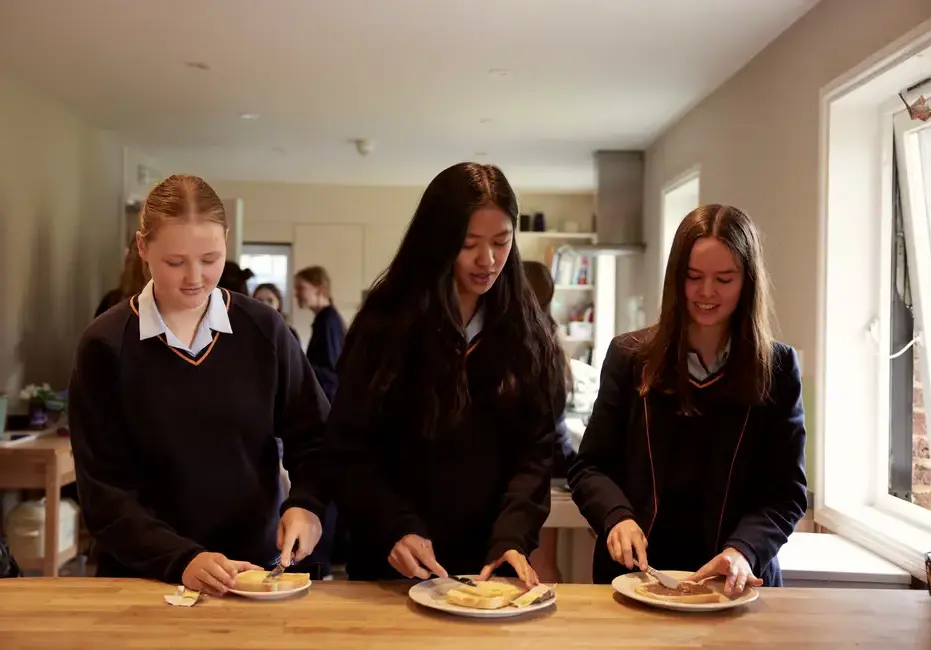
x: 539, y: 594
x: 183, y: 597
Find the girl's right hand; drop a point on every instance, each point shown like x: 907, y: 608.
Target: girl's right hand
x: 628, y: 545
x: 413, y: 557
x: 213, y: 573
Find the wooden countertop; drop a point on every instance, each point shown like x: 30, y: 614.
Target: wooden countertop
x: 101, y: 613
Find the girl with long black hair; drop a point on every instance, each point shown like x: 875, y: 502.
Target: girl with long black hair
x: 451, y: 383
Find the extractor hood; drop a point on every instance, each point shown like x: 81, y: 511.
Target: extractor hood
x: 618, y: 204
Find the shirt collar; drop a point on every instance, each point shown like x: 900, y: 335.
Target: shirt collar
x: 698, y: 369
x: 151, y: 323
x: 474, y: 328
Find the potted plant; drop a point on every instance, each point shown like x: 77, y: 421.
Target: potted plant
x: 44, y: 404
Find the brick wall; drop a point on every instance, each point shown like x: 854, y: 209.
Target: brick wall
x: 921, y: 452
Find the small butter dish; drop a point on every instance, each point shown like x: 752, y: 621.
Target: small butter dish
x: 183, y: 597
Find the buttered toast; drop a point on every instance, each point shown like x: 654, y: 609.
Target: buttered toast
x: 484, y: 595
x: 253, y: 580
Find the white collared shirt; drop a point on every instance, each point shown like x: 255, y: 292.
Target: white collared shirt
x: 698, y: 370
x: 474, y: 327
x: 151, y: 323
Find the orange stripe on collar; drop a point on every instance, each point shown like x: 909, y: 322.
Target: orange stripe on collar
x: 707, y: 382
x: 194, y: 361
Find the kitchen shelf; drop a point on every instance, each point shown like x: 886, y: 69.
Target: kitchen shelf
x: 575, y: 287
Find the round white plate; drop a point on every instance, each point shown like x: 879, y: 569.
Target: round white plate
x: 626, y: 585
x: 271, y: 595
x: 431, y: 593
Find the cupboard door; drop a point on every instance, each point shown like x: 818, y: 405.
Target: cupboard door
x: 340, y: 250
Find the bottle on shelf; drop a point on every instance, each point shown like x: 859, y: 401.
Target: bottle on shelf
x: 582, y: 277
x: 539, y: 222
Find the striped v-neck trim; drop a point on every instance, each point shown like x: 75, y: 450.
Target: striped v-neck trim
x: 707, y: 381
x: 200, y: 357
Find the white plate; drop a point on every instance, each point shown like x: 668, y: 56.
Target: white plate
x: 431, y: 593
x: 626, y: 585
x: 271, y: 595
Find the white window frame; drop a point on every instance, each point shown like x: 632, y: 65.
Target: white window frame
x: 667, y: 229
x: 851, y: 414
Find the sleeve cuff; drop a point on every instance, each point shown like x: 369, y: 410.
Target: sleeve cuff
x: 312, y: 504
x: 747, y: 553
x: 176, y: 570
x: 500, y: 547
x: 406, y: 525
x: 615, y: 517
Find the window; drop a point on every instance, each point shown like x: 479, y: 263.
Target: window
x: 869, y: 453
x: 910, y: 308
x: 680, y: 198
x: 271, y: 263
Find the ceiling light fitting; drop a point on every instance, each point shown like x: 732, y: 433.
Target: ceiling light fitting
x: 363, y: 145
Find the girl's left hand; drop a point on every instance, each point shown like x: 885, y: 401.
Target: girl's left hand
x: 734, y: 565
x: 301, y: 526
x: 522, y: 567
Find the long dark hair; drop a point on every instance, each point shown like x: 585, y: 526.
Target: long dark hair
x: 665, y: 347
x: 412, y: 311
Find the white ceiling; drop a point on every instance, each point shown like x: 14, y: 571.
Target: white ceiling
x: 412, y: 75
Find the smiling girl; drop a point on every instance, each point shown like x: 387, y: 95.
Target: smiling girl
x: 451, y: 383
x: 176, y: 399
x: 695, y: 451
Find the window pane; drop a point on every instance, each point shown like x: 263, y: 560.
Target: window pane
x: 271, y: 264
x: 920, y: 475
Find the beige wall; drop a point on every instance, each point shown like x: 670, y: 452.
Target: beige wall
x: 756, y: 142
x: 60, y: 191
x: 370, y: 222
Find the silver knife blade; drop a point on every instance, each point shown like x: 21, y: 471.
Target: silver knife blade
x: 666, y: 580
x: 465, y: 581
x: 274, y: 574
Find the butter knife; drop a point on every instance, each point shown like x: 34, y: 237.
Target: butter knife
x: 275, y: 574
x: 465, y: 581
x: 666, y: 580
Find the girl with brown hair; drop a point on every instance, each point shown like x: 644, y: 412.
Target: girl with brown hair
x: 176, y: 400
x: 541, y: 283
x: 545, y: 558
x: 695, y: 450
x: 312, y: 287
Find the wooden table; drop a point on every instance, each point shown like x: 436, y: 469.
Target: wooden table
x: 45, y: 463
x: 87, y: 612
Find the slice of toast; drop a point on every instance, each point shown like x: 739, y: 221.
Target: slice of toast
x: 472, y: 601
x: 253, y: 580
x: 484, y: 595
x: 692, y: 593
